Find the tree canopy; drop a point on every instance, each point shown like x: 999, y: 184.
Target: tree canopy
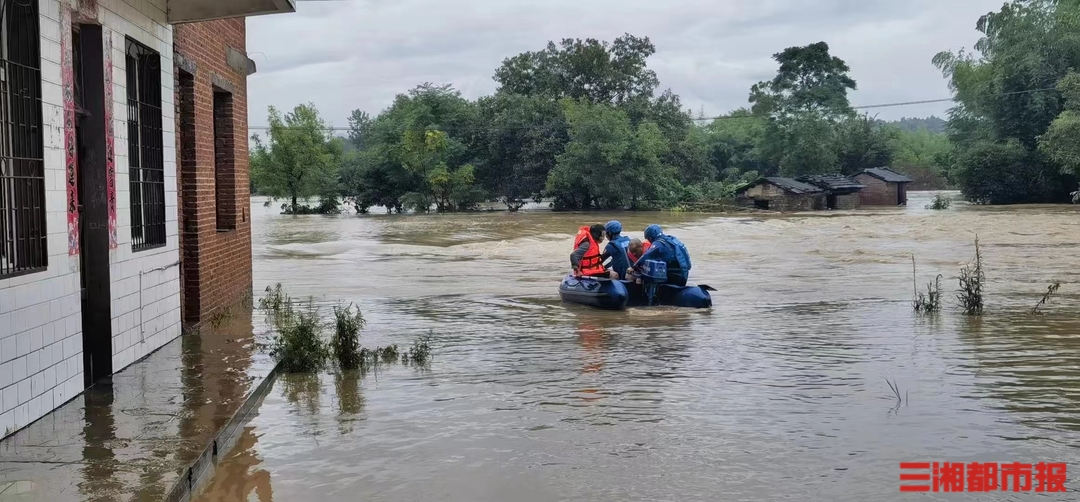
x: 582, y: 123
x: 1008, y: 96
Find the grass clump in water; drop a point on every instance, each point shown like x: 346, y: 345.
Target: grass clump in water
x: 940, y: 202
x: 348, y: 321
x: 299, y: 346
x: 277, y: 305
x: 972, y: 279
x: 929, y: 302
x: 1050, y: 291
x: 420, y: 352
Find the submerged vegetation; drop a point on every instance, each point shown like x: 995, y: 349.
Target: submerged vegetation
x: 345, y: 344
x: 1051, y: 290
x: 929, y: 302
x: 300, y: 344
x: 940, y: 202
x: 972, y: 279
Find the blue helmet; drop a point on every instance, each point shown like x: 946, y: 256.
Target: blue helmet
x: 652, y: 232
x: 613, y: 227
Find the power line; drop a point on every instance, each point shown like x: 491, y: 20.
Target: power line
x: 724, y: 117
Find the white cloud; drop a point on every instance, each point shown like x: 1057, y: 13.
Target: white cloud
x: 353, y: 54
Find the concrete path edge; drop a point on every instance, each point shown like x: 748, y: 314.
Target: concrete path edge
x: 199, y: 472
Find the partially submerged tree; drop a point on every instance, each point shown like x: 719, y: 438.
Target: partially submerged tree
x: 803, y: 102
x: 1007, y: 101
x: 300, y: 159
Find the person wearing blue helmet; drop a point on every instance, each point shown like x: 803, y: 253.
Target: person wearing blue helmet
x: 670, y: 250
x: 616, y: 249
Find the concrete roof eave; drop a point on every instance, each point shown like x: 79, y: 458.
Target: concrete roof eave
x: 189, y: 11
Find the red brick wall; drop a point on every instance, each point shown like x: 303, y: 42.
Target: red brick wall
x: 216, y: 270
x: 877, y: 192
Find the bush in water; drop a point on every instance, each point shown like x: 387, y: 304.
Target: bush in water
x: 346, y: 342
x: 299, y: 346
x: 971, y: 283
x: 941, y: 201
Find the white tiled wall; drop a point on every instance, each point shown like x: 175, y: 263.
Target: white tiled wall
x: 145, y: 284
x: 41, y: 364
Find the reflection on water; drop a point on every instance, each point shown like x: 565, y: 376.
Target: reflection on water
x: 239, y: 476
x: 131, y: 439
x: 777, y: 392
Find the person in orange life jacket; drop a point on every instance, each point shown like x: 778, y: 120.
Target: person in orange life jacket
x: 636, y: 249
x: 585, y: 259
x: 670, y: 250
x: 616, y: 249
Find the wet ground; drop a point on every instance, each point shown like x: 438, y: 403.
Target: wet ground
x: 777, y: 393
x: 131, y: 440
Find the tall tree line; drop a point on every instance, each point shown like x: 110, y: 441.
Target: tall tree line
x: 584, y: 124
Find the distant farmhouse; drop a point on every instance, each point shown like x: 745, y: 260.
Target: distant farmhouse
x: 782, y: 194
x: 884, y: 187
x: 877, y: 186
x: 840, y: 192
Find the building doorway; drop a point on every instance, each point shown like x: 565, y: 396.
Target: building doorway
x: 89, y: 96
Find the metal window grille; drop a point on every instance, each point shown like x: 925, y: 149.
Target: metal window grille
x: 145, y: 156
x: 23, y: 236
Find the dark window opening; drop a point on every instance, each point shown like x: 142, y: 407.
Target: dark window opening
x: 145, y: 156
x: 224, y: 161
x: 830, y: 203
x: 23, y: 236
x: 761, y: 203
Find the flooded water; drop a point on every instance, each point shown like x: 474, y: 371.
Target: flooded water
x: 777, y: 392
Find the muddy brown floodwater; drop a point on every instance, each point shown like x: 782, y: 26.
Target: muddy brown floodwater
x: 778, y: 392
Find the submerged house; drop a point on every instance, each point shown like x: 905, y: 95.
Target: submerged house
x: 782, y: 194
x: 841, y: 192
x: 883, y: 187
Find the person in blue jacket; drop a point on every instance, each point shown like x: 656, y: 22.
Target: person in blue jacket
x: 616, y: 249
x: 670, y: 250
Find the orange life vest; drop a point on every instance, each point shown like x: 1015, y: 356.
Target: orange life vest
x: 644, y: 248
x: 590, y: 263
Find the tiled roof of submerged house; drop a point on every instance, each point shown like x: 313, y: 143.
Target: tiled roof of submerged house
x: 834, y: 182
x: 787, y: 184
x: 887, y: 175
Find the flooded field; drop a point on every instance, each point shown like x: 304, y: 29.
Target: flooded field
x: 778, y: 392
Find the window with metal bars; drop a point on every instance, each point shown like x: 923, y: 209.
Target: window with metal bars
x: 23, y: 237
x: 146, y: 159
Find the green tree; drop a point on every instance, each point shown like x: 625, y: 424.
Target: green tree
x: 608, y: 163
x: 809, y: 81
x: 1004, y: 173
x: 803, y: 102
x: 523, y: 138
x: 582, y: 69
x: 862, y: 143
x: 300, y: 159
x: 736, y: 141
x: 1005, y: 97
x: 1061, y: 141
x: 378, y: 175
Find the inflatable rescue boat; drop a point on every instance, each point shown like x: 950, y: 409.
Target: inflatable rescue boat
x: 613, y: 294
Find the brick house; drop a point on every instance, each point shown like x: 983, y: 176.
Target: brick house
x: 211, y: 74
x: 841, y: 192
x: 89, y: 239
x: 883, y: 187
x: 782, y: 194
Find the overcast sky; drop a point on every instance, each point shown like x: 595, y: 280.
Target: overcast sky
x: 349, y: 54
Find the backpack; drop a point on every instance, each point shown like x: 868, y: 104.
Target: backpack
x: 682, y: 256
